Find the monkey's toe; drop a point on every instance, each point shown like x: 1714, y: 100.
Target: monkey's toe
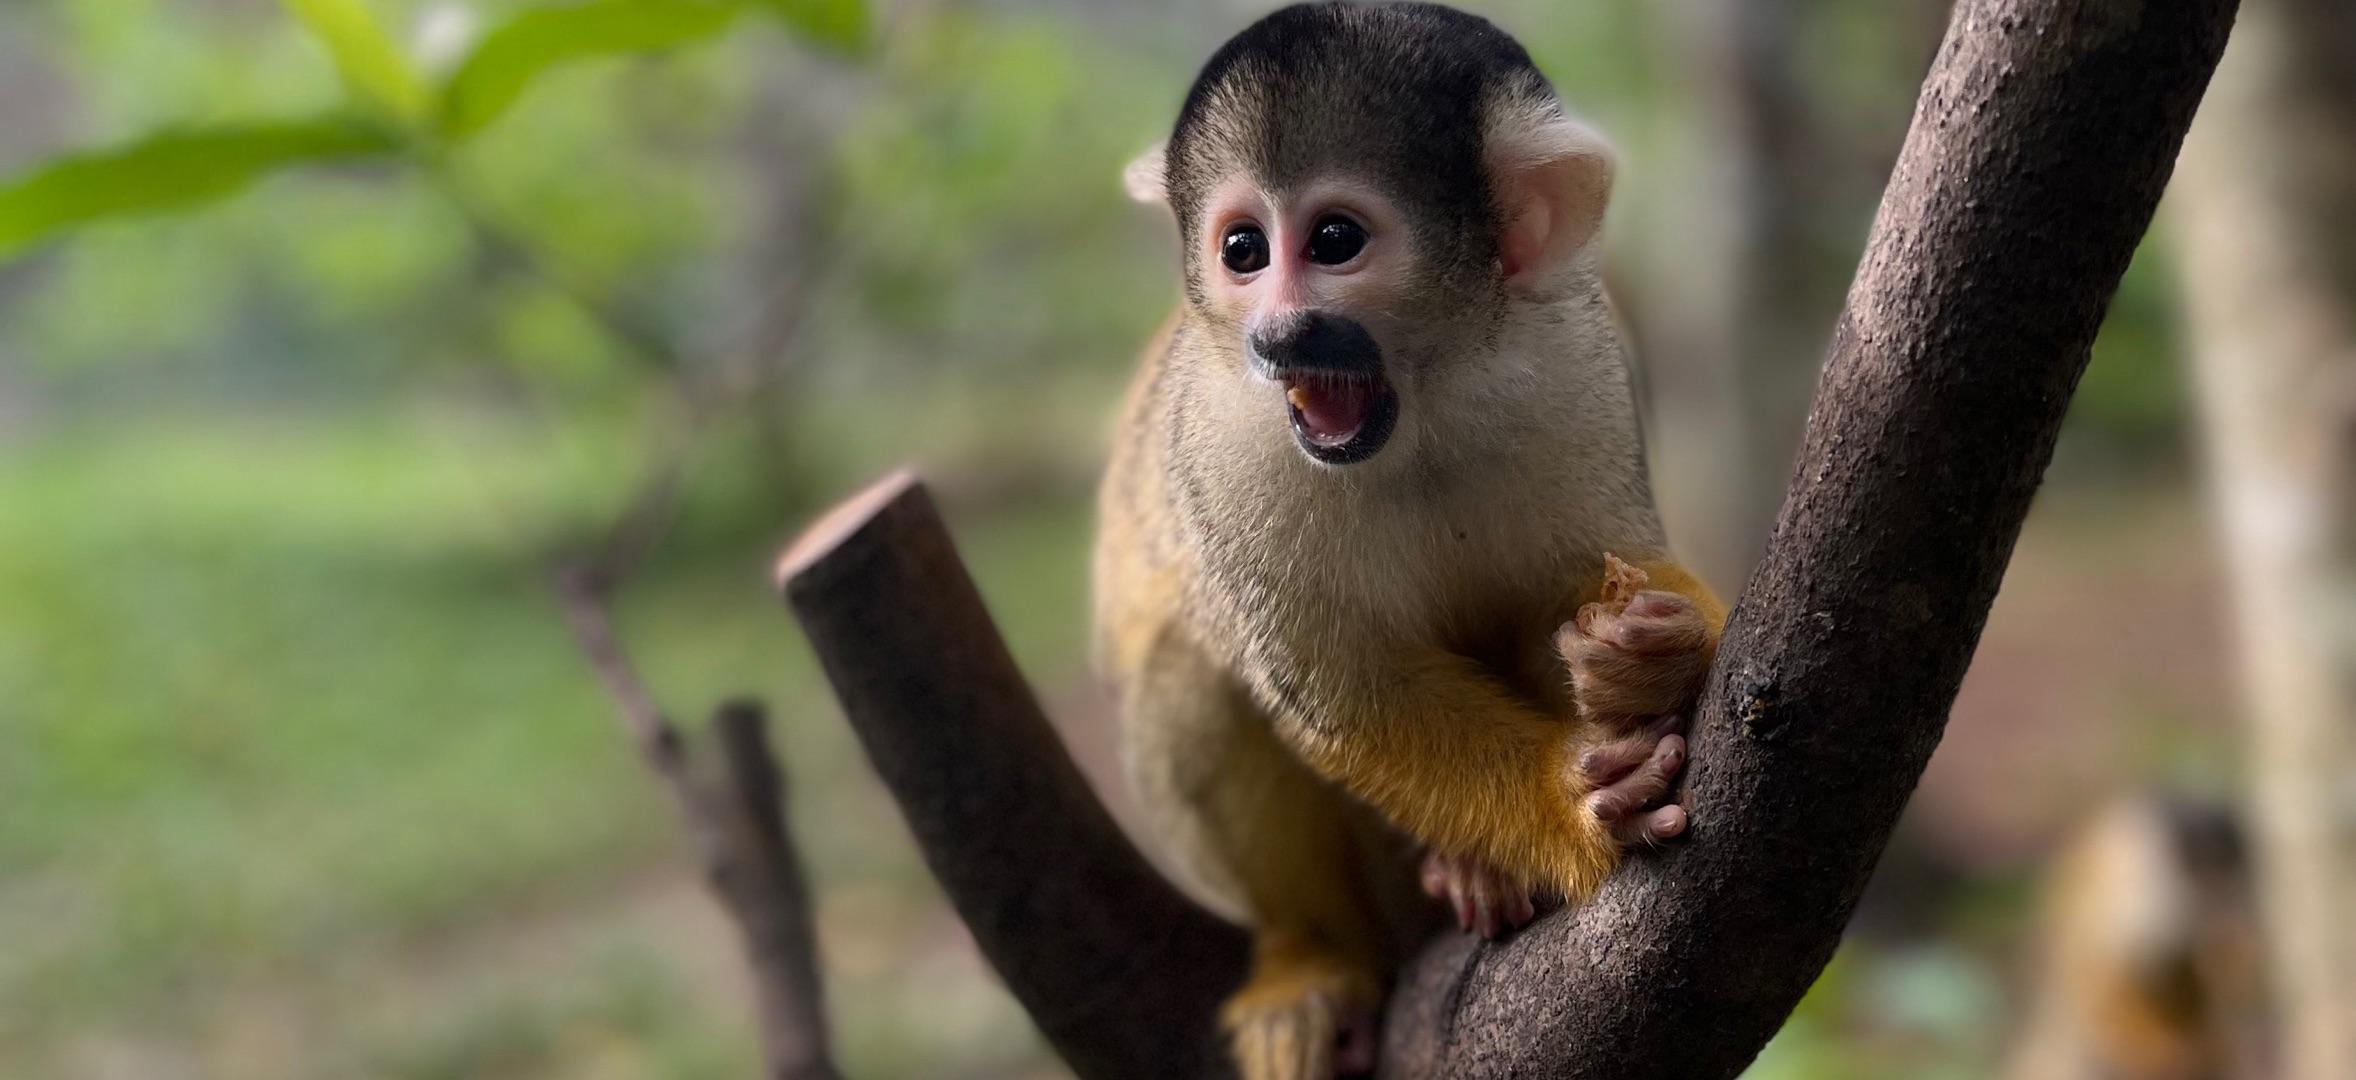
x: 1305, y: 1027
x: 1484, y: 900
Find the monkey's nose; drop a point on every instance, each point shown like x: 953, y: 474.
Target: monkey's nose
x: 1320, y: 342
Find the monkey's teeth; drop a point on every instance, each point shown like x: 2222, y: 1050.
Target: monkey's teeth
x: 1330, y: 410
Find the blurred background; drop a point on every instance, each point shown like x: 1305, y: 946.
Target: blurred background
x: 328, y: 328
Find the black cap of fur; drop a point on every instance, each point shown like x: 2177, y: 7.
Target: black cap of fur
x: 1390, y: 92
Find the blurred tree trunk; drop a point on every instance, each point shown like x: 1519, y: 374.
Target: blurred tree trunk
x: 2265, y: 213
x: 1781, y: 219
x: 1763, y: 336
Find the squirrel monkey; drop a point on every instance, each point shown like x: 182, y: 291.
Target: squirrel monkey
x: 2147, y: 961
x: 1351, y: 578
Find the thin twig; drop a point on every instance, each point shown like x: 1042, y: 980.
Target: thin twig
x: 582, y: 593
x: 731, y: 796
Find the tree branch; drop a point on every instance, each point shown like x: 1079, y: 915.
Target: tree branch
x: 2041, y: 140
x: 1121, y: 972
x: 731, y: 797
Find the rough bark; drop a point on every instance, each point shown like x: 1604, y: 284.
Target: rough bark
x: 2265, y: 218
x: 2041, y: 141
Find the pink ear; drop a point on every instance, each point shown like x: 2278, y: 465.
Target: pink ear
x: 1554, y: 178
x: 1144, y: 176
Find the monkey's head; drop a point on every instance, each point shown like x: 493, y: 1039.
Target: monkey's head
x: 1366, y: 195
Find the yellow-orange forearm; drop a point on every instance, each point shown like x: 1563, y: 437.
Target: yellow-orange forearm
x: 1448, y: 754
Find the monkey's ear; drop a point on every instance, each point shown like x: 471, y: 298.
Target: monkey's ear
x: 1145, y: 176
x: 1553, y: 177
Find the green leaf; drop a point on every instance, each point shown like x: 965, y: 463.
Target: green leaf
x: 506, y: 61
x: 368, y: 60
x: 837, y: 24
x: 172, y: 170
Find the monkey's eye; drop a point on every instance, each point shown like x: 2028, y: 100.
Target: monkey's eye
x: 1244, y: 249
x: 1335, y: 240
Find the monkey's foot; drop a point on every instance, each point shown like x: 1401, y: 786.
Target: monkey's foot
x: 1303, y: 1021
x: 1637, y: 652
x: 1485, y: 901
x: 1635, y: 778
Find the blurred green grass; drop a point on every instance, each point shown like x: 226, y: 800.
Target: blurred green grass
x: 291, y: 685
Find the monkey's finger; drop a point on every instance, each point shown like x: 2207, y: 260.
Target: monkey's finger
x: 1646, y: 786
x: 1651, y: 827
x: 1612, y: 684
x: 1655, y: 623
x: 1658, y: 604
x: 1606, y: 763
x: 1484, y: 892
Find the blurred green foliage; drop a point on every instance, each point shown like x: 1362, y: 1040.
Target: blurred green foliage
x: 178, y: 170
x: 171, y: 170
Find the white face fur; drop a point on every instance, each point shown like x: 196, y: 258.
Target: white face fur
x: 1510, y: 452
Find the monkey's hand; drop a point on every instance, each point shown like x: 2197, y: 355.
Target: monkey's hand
x: 1630, y: 782
x: 1637, y: 657
x: 1513, y: 800
x: 1639, y: 653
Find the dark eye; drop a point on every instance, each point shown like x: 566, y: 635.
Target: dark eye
x: 1244, y: 249
x: 1335, y: 240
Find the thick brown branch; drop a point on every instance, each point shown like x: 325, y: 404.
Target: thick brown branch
x: 2040, y: 143
x: 1120, y: 972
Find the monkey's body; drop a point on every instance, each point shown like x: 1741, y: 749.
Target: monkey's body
x: 1476, y: 562
x: 1328, y: 636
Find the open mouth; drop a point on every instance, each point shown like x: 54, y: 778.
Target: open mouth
x: 1340, y: 418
